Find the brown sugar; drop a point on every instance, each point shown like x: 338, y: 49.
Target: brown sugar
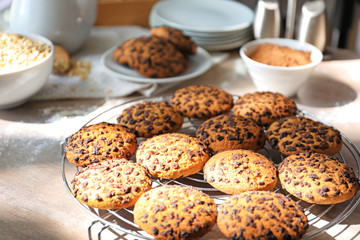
x: 275, y: 55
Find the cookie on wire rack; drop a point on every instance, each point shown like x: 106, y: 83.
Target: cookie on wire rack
x: 99, y: 142
x: 201, y: 101
x: 299, y: 134
x: 318, y: 178
x: 228, y: 132
x: 111, y: 184
x: 265, y: 107
x: 261, y: 215
x: 172, y: 155
x: 151, y: 118
x: 236, y: 171
x: 175, y: 212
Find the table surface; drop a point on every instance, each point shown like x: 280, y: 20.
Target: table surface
x: 34, y: 201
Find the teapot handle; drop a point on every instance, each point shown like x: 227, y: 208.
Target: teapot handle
x: 4, y: 19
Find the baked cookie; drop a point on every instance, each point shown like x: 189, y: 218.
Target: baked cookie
x: 237, y: 171
x: 99, y: 142
x: 122, y: 54
x: 172, y: 155
x: 151, y: 118
x: 265, y: 107
x: 176, y: 37
x: 298, y: 134
x: 111, y: 184
x: 228, y: 132
x: 151, y: 57
x: 175, y: 212
x: 261, y: 215
x: 318, y: 178
x: 61, y: 62
x: 201, y: 101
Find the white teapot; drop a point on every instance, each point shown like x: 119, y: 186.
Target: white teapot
x: 64, y: 22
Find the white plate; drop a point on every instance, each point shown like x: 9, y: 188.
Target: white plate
x: 216, y: 34
x: 205, y: 15
x: 226, y: 46
x: 222, y: 40
x: 199, y: 63
x: 154, y: 21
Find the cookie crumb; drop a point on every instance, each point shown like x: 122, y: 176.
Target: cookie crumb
x: 79, y: 68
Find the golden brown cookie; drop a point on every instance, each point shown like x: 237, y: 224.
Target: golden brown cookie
x: 298, y: 134
x: 265, y: 107
x: 176, y: 37
x: 122, y: 54
x: 151, y: 57
x: 228, y: 132
x: 111, y: 184
x: 99, y: 142
x: 61, y: 63
x: 172, y: 155
x: 151, y: 118
x: 261, y: 215
x: 201, y: 101
x: 237, y: 171
x: 175, y: 212
x: 318, y: 178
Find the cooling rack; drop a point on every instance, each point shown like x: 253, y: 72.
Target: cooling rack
x: 120, y: 222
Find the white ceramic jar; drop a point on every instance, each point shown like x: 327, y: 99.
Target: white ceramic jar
x: 64, y: 22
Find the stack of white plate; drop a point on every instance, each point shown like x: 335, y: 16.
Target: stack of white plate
x: 213, y: 24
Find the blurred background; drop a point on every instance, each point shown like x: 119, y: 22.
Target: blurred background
x: 343, y: 21
x: 343, y: 17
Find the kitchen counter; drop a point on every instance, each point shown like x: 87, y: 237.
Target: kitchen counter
x: 34, y: 201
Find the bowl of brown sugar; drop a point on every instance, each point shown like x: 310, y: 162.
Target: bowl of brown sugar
x: 279, y: 64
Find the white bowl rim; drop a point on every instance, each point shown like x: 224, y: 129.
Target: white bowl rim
x: 280, y: 42
x: 33, y: 37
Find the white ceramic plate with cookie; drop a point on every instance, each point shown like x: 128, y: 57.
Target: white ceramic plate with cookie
x: 199, y: 64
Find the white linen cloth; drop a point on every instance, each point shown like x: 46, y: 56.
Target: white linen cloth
x: 98, y: 84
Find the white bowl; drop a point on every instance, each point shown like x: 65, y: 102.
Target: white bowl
x: 16, y: 86
x: 285, y: 80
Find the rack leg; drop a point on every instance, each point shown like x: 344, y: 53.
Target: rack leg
x: 99, y: 234
x: 89, y: 229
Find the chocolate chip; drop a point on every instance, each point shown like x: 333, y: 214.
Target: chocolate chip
x: 155, y: 231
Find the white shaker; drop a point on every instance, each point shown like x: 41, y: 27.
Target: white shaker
x: 267, y: 20
x: 312, y: 27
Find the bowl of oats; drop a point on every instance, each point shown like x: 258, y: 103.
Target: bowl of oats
x: 25, y: 65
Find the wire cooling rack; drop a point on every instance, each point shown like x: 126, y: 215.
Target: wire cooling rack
x: 120, y: 222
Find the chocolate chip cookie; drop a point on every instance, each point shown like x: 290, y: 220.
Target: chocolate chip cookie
x: 151, y: 118
x: 176, y: 37
x: 175, y: 212
x: 201, y: 101
x: 265, y: 107
x: 299, y: 134
x: 123, y: 53
x: 318, y: 178
x: 151, y: 57
x: 99, y: 142
x: 172, y: 155
x: 237, y: 171
x: 111, y: 184
x: 228, y: 132
x: 261, y: 215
